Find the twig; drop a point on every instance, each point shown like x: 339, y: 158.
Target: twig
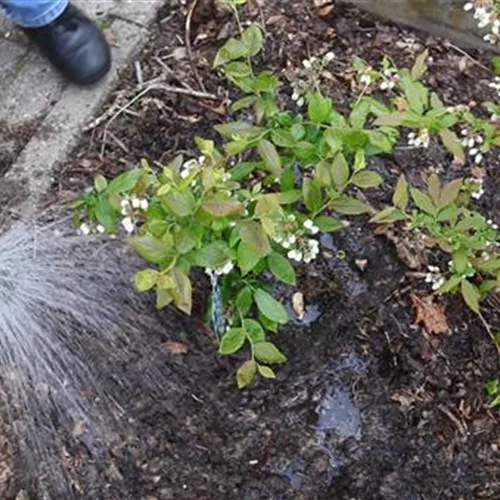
x: 187, y: 37
x: 487, y: 327
x: 183, y: 91
x: 138, y: 73
x: 461, y: 427
x: 117, y: 114
x: 154, y: 86
x: 468, y: 56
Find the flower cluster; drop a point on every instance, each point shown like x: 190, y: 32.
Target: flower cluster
x: 420, y: 140
x: 477, y: 187
x: 129, y: 208
x: 297, y: 240
x: 88, y: 228
x: 473, y: 143
x: 190, y: 165
x: 315, y: 63
x: 495, y: 85
x: 486, y: 14
x: 313, y: 67
x: 225, y: 269
x: 435, y: 277
x: 390, y: 78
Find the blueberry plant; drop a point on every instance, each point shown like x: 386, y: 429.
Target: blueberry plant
x: 249, y: 209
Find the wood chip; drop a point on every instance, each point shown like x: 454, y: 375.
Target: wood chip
x: 175, y: 347
x: 430, y: 315
x: 298, y: 304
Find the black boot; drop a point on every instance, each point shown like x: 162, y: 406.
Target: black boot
x: 75, y: 46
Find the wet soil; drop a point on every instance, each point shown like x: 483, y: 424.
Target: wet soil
x: 369, y: 406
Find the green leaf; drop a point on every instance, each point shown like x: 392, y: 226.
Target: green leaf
x: 324, y: 174
x: 253, y: 39
x: 391, y: 120
x: 452, y: 143
x: 493, y: 387
x: 184, y: 241
x: 180, y: 203
x: 246, y: 373
x: 328, y: 224
x: 349, y: 206
x: 163, y: 298
x: 243, y: 170
x: 359, y: 114
x: 265, y: 82
x: 238, y: 70
x: 450, y: 192
x: 151, y: 249
x: 434, y: 188
x: 222, y: 208
x: 182, y: 293
x: 244, y: 300
x: 238, y: 129
x: 283, y: 138
x: 420, y: 66
x: 266, y: 372
x: 231, y: 50
x: 291, y: 196
x: 232, y: 341
x: 253, y: 235
x: 367, y: 179
x: 125, y: 182
x: 436, y: 102
x: 146, y: 279
x: 270, y: 307
x: 267, y: 204
x: 400, y: 197
x: 341, y: 171
x: 254, y: 331
x: 213, y: 255
x: 360, y: 160
x: 319, y: 108
x: 298, y: 131
x: 423, y: 201
x: 449, y: 285
x: 268, y: 353
x: 281, y: 268
x: 495, y: 403
x: 460, y: 261
x: 270, y: 155
x: 105, y: 213
x: 247, y: 258
x: 100, y: 183
x: 471, y: 295
x: 243, y: 103
x: 313, y: 198
x: 388, y: 215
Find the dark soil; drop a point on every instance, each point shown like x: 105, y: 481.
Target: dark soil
x: 369, y: 406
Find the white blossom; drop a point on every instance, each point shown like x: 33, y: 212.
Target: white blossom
x: 101, y: 229
x: 128, y: 225
x: 295, y: 255
x: 309, y: 225
x: 84, y: 229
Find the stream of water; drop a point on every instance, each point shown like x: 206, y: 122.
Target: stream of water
x: 68, y: 316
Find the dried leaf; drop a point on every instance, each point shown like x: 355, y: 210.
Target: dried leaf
x: 430, y: 315
x: 175, y: 347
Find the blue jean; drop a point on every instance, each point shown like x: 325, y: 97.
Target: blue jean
x: 33, y: 13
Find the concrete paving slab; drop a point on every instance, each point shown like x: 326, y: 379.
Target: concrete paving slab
x: 32, y: 90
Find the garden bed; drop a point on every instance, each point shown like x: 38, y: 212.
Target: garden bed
x: 369, y: 405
